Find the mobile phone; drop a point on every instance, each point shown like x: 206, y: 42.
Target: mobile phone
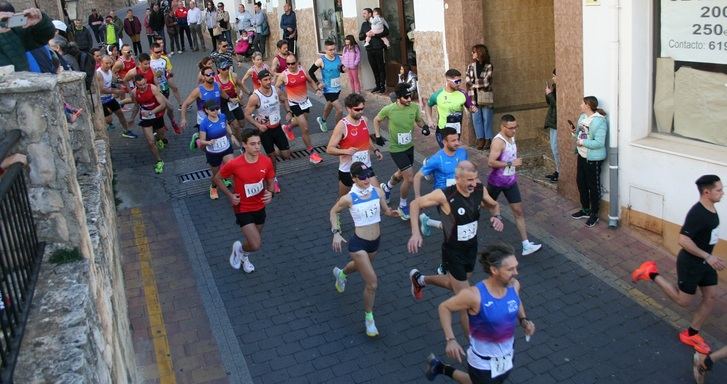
x: 16, y: 20
x: 571, y: 123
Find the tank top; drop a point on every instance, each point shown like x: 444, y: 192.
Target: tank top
x: 205, y: 95
x: 296, y: 87
x: 492, y: 329
x: 282, y: 63
x: 147, y: 101
x: 148, y: 75
x: 229, y: 87
x: 460, y: 225
x: 255, y: 79
x: 128, y: 65
x: 354, y: 136
x: 269, y: 108
x: 331, y: 74
x: 107, y: 80
x: 365, y: 211
x: 504, y: 177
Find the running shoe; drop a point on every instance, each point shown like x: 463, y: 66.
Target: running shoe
x: 644, y: 271
x: 129, y: 134
x: 247, y: 265
x: 434, y: 366
x: 159, y: 167
x: 580, y: 214
x: 160, y: 144
x: 592, y: 220
x: 235, y: 260
x: 340, y: 281
x: 276, y: 186
x: 177, y: 128
x: 698, y: 370
x: 213, y: 193
x: 531, y: 248
x: 387, y: 192
x: 315, y: 158
x: 193, y: 142
x: 371, y: 330
x: 416, y: 289
x: 424, y: 225
x: 695, y: 341
x: 288, y: 132
x: 322, y: 124
x: 403, y: 212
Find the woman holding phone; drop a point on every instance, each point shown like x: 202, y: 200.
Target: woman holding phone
x: 478, y: 80
x: 590, y: 133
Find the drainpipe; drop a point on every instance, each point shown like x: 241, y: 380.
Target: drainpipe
x: 613, y: 47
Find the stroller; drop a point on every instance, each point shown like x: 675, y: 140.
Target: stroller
x: 243, y: 46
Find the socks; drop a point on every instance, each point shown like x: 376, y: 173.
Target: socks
x: 369, y: 316
x: 447, y: 370
x: 691, y: 331
x: 389, y: 184
x: 402, y: 203
x: 653, y: 275
x: 434, y: 223
x: 420, y: 281
x: 525, y: 243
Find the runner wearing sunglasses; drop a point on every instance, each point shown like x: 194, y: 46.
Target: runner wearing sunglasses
x: 450, y: 101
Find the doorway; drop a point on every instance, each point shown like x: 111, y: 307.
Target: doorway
x: 399, y: 14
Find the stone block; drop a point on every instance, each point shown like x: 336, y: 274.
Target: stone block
x: 45, y: 200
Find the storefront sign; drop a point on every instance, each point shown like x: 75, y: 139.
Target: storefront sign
x: 694, y: 30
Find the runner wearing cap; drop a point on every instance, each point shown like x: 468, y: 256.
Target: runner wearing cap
x: 217, y: 138
x: 233, y: 111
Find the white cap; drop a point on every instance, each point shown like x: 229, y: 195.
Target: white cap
x: 60, y: 25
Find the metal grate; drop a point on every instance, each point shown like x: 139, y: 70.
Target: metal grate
x: 302, y: 153
x: 202, y: 174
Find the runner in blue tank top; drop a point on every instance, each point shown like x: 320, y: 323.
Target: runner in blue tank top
x: 494, y: 310
x: 330, y: 84
x: 208, y: 90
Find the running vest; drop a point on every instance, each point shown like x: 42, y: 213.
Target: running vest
x: 230, y: 89
x: 128, y: 66
x: 282, y: 63
x: 460, y: 225
x: 269, y: 108
x: 504, y: 177
x: 331, y: 74
x: 492, y: 329
x: 148, y: 75
x: 147, y: 101
x: 365, y: 211
x: 205, y: 95
x: 354, y: 136
x: 107, y: 81
x: 296, y: 87
x: 255, y: 79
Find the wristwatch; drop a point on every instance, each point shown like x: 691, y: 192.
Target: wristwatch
x: 497, y: 217
x: 335, y: 230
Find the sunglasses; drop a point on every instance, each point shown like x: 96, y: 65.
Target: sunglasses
x: 209, y: 74
x: 408, y: 97
x: 289, y: 63
x: 224, y: 69
x: 365, y: 174
x: 457, y: 81
x: 224, y: 45
x: 156, y: 52
x: 213, y: 109
x: 358, y: 109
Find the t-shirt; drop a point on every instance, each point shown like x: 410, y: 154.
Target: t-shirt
x: 702, y: 226
x: 401, y: 122
x: 443, y: 167
x: 248, y: 180
x: 216, y: 130
x: 450, y: 104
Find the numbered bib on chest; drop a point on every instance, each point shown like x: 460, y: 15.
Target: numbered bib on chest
x: 362, y: 156
x: 336, y: 82
x: 253, y: 189
x: 509, y: 171
x: 306, y: 104
x: 231, y: 105
x: 500, y: 365
x: 450, y: 182
x: 274, y: 118
x: 466, y: 231
x: 147, y: 115
x: 220, y: 145
x: 454, y: 120
x: 403, y: 138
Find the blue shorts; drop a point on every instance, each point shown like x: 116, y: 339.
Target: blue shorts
x: 356, y: 244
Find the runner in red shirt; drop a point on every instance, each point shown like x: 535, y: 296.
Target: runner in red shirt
x: 252, y: 176
x: 150, y: 104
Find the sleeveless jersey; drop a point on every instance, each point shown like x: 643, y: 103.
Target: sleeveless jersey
x: 229, y: 87
x: 269, y: 108
x: 504, y: 177
x: 354, y: 136
x: 331, y: 74
x: 147, y: 101
x: 296, y: 87
x: 492, y: 329
x: 128, y: 65
x: 204, y: 95
x: 255, y: 79
x: 460, y: 225
x: 282, y: 63
x: 107, y: 81
x: 365, y: 211
x: 148, y: 75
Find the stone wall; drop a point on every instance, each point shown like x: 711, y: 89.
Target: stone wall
x: 78, y: 323
x: 307, y: 43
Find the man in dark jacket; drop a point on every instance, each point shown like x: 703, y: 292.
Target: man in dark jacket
x: 289, y: 25
x: 118, y: 23
x: 15, y: 42
x: 375, y: 51
x: 156, y: 22
x: 95, y: 21
x: 82, y: 36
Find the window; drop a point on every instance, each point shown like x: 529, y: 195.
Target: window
x: 691, y: 70
x: 329, y: 22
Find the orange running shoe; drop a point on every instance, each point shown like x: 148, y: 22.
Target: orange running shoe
x: 644, y: 270
x: 695, y: 341
x: 315, y: 158
x: 213, y: 193
x: 416, y: 288
x: 288, y: 132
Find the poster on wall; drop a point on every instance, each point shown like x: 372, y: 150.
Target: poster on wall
x: 694, y: 31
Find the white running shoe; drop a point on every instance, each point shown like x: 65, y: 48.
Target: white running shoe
x: 340, y: 281
x: 531, y: 248
x: 371, y: 330
x: 235, y: 260
x: 247, y: 265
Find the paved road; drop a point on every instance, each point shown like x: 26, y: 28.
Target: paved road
x: 286, y: 323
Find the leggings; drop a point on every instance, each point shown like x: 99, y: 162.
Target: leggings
x: 588, y: 178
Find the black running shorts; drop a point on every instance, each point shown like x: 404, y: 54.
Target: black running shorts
x: 693, y: 272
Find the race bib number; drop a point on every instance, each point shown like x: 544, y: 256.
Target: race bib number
x: 456, y: 126
x: 466, y: 231
x: 500, y: 365
x: 306, y: 104
x: 232, y: 105
x: 449, y: 182
x: 336, y: 82
x: 220, y: 145
x: 454, y: 120
x: 274, y: 118
x: 509, y: 171
x: 714, y: 238
x: 147, y: 115
x: 403, y: 138
x: 362, y: 156
x: 253, y: 189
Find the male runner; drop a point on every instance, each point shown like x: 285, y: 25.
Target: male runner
x: 278, y: 63
x: 175, y: 90
x: 104, y: 76
x: 494, y: 309
x: 365, y: 201
x: 330, y: 84
x: 450, y: 102
x: 696, y: 265
x: 252, y: 175
x: 402, y: 116
x: 296, y: 83
x: 208, y: 90
x: 459, y: 206
x: 350, y: 141
x: 158, y: 65
x: 503, y: 179
x: 150, y: 105
x: 142, y: 68
x: 267, y: 103
x: 121, y: 68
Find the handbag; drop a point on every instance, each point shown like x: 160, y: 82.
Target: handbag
x: 484, y: 97
x: 216, y: 31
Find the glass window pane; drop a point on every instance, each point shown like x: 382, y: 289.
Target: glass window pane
x: 329, y: 22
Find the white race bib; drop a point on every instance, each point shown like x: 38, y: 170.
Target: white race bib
x: 362, y: 156
x: 232, y: 105
x: 253, y: 189
x: 403, y: 138
x: 466, y: 231
x: 509, y: 171
x: 220, y: 145
x: 336, y: 82
x: 450, y: 182
x: 500, y: 365
x: 714, y: 238
x: 274, y: 118
x: 305, y: 104
x: 147, y: 115
x: 456, y: 126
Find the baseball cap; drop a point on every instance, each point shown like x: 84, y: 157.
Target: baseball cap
x: 263, y: 74
x: 60, y: 25
x: 211, y: 104
x: 360, y: 169
x: 402, y: 90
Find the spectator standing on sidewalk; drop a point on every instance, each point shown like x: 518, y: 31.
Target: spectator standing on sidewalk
x: 210, y: 20
x: 156, y: 22
x: 95, y: 21
x: 173, y: 30
x: 551, y: 124
x: 478, y: 79
x: 289, y: 25
x: 181, y: 13
x: 351, y: 58
x: 118, y: 23
x: 111, y: 33
x: 262, y: 29
x: 194, y: 19
x: 223, y: 21
x: 147, y: 27
x: 375, y: 51
x: 82, y: 36
x: 243, y: 20
x: 132, y: 27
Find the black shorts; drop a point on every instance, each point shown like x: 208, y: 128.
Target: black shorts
x: 512, y: 193
x: 255, y: 217
x: 215, y: 159
x: 274, y: 137
x: 345, y: 177
x: 156, y: 123
x: 693, y: 272
x: 356, y: 244
x: 332, y: 96
x: 483, y: 376
x: 110, y: 107
x: 459, y: 262
x: 235, y: 114
x: 296, y: 111
x: 403, y: 160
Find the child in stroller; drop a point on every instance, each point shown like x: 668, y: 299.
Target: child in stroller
x: 243, y: 46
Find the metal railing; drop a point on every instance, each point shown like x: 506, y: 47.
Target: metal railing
x: 20, y: 257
